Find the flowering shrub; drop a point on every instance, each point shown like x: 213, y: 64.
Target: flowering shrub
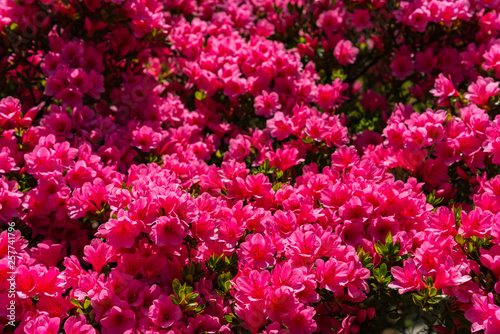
x: 249, y: 166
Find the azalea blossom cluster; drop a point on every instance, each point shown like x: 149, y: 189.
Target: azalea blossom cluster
x: 249, y: 166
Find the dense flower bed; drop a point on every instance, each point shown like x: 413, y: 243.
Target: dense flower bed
x: 249, y: 166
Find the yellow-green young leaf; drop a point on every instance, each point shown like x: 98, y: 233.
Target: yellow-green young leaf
x: 379, y: 248
x: 175, y: 300
x: 182, y: 294
x: 388, y: 239
x: 459, y: 239
x: 14, y: 26
x: 76, y: 302
x: 417, y: 299
x: 191, y: 306
x: 433, y: 301
x: 229, y: 318
x: 87, y: 303
x: 176, y: 285
x: 191, y: 297
x: 200, y: 95
x: 266, y: 164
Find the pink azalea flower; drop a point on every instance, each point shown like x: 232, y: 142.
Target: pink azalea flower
x: 480, y: 91
x: 286, y: 221
x: 49, y: 253
x: 331, y: 20
x: 408, y: 278
x: 42, y: 324
x: 80, y: 174
x: 55, y: 306
x: 279, y: 302
x: 335, y: 196
x: 443, y: 220
x: 51, y: 282
x: 435, y: 173
x: 266, y: 104
x: 257, y: 185
x: 98, y: 254
x: 239, y: 147
x: 345, y: 52
x: 475, y: 223
x: 258, y: 251
x: 443, y: 88
x: 164, y: 313
x: 10, y: 199
x: 355, y: 210
x: 492, y: 59
x: 491, y: 259
x: 10, y: 110
x: 300, y: 320
x: 345, y: 158
x: 402, y: 64
x: 285, y: 275
x: 279, y: 126
x: 119, y: 232
x: 286, y: 158
x: 332, y: 275
x: 329, y: 96
x: 26, y: 280
x: 253, y: 314
x: 167, y: 231
x: 303, y: 247
x: 145, y: 138
x: 78, y: 325
x: 449, y: 274
x: 118, y: 320
x: 482, y: 309
x: 204, y: 323
x: 252, y: 287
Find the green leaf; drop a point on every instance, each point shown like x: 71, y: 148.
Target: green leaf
x: 338, y: 73
x: 182, y: 295
x: 277, y: 186
x: 191, y: 306
x: 459, y: 239
x: 388, y: 239
x: 458, y: 212
x: 176, y: 285
x: 175, y: 300
x: 417, y: 299
x: 380, y: 249
x: 200, y: 95
x: 383, y: 269
x: 192, y: 297
x: 87, y: 303
x: 307, y: 140
x: 76, y: 302
x: 229, y: 317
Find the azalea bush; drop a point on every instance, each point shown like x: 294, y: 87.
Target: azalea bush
x: 249, y: 166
